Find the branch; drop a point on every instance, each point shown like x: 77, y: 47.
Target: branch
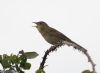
x: 89, y: 58
x: 91, y: 61
x: 53, y: 48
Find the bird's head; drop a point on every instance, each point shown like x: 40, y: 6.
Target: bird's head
x: 40, y: 24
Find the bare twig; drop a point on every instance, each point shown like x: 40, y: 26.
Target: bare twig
x: 89, y: 58
x: 53, y: 48
x: 91, y: 61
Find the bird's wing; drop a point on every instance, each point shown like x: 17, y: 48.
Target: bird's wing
x: 66, y: 39
x: 59, y: 34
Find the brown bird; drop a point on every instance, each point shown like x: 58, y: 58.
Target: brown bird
x: 54, y: 37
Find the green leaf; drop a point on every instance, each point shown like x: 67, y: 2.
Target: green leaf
x: 23, y: 58
x: 6, y: 61
x: 0, y: 58
x: 25, y: 66
x: 30, y: 55
x: 40, y: 71
x: 14, y: 59
x: 86, y: 71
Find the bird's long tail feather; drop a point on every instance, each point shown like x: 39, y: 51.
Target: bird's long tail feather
x: 76, y: 46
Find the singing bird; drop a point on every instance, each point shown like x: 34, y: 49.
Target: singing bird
x: 54, y: 37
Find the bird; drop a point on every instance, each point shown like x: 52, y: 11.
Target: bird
x: 54, y: 36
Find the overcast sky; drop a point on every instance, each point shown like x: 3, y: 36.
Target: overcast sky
x: 77, y: 19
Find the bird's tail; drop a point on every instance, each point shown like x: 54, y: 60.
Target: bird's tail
x: 76, y: 46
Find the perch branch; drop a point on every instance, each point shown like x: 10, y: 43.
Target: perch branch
x: 91, y: 61
x: 53, y: 48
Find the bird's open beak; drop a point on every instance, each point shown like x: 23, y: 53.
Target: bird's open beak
x: 34, y: 23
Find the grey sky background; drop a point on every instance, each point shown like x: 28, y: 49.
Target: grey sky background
x: 77, y: 19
